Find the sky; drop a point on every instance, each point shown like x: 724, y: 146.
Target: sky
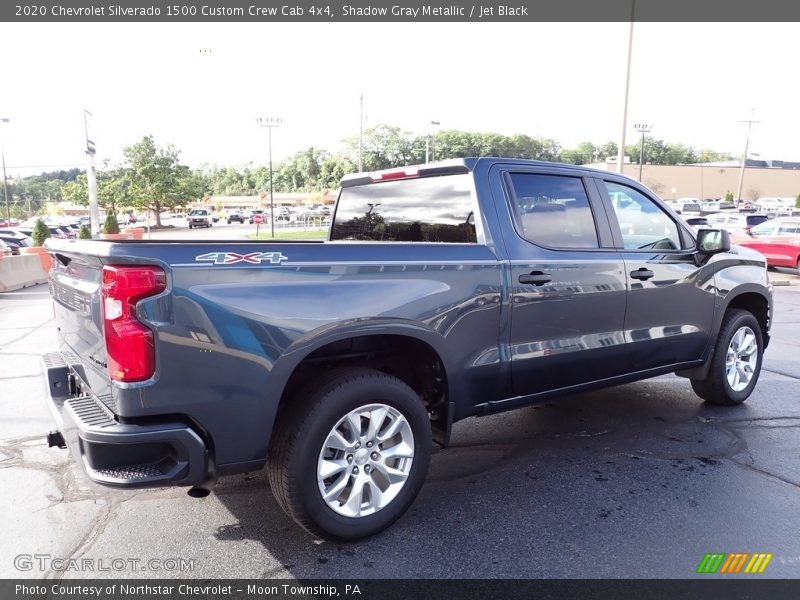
x: 200, y: 86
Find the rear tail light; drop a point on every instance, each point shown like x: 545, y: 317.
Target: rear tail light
x: 129, y: 343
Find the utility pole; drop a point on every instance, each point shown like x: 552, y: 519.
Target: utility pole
x: 91, y: 177
x: 361, y: 134
x: 642, y: 128
x: 744, y: 156
x: 621, y: 149
x: 269, y: 123
x: 430, y: 143
x: 5, y: 177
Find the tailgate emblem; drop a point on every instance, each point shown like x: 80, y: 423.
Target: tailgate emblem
x: 230, y: 258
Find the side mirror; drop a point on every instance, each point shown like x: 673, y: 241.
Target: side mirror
x: 713, y: 241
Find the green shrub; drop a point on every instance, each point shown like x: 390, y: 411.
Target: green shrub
x: 797, y: 201
x: 85, y: 233
x: 40, y: 233
x: 729, y: 196
x: 111, y: 225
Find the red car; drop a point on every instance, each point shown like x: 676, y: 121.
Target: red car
x: 778, y: 240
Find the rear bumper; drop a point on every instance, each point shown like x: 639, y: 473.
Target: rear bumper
x: 155, y: 454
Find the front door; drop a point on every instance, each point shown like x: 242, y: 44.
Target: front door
x: 670, y: 299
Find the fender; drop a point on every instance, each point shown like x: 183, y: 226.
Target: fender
x: 723, y: 302
x: 284, y: 367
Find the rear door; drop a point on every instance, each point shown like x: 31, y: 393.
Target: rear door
x: 670, y: 307
x: 567, y: 282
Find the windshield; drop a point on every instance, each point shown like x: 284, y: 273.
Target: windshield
x: 198, y: 213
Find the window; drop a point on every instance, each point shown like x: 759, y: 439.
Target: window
x: 424, y: 209
x: 643, y: 224
x: 767, y: 228
x: 553, y: 211
x: 787, y: 229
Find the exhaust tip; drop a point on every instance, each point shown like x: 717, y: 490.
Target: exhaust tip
x: 55, y: 439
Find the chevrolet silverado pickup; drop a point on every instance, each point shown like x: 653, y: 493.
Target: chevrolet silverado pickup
x: 443, y: 291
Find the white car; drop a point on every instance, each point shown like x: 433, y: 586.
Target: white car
x: 200, y: 217
x: 735, y: 223
x: 687, y: 205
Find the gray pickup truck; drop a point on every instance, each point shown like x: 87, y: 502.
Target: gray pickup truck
x: 444, y: 291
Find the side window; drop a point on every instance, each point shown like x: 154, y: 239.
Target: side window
x: 643, y: 224
x: 553, y: 211
x: 787, y: 229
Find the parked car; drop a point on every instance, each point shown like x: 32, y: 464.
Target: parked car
x: 23, y: 231
x: 281, y: 214
x: 735, y: 223
x: 58, y: 232
x: 254, y: 213
x: 236, y: 216
x: 697, y: 223
x: 15, y: 241
x: 5, y: 249
x: 687, y: 205
x: 446, y: 291
x: 778, y: 240
x: 776, y: 206
x: 200, y: 217
x: 714, y: 206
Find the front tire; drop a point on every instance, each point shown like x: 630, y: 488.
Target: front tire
x: 349, y: 457
x: 736, y: 363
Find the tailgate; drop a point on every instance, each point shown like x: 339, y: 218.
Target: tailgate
x: 75, y: 286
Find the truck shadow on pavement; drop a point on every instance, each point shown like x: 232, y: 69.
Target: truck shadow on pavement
x: 635, y: 464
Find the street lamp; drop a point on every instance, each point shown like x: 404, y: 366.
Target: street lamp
x: 269, y: 123
x: 5, y: 178
x: 430, y: 144
x: 749, y: 122
x: 642, y: 128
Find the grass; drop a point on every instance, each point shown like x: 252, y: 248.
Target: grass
x: 290, y: 235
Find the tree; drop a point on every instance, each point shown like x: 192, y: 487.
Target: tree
x: 111, y: 225
x: 797, y: 201
x: 157, y: 180
x: 40, y: 233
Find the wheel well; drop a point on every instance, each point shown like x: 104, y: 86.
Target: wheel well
x: 409, y: 359
x: 755, y: 304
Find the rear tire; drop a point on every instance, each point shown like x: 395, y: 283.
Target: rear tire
x: 349, y: 455
x: 736, y: 363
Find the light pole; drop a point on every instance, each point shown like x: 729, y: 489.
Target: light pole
x: 644, y: 129
x: 430, y: 144
x: 744, y: 157
x: 91, y: 177
x: 269, y: 123
x: 621, y: 149
x: 361, y: 133
x: 5, y: 178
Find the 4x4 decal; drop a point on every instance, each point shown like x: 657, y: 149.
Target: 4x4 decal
x: 231, y: 258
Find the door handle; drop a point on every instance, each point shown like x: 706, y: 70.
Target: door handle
x: 536, y: 278
x: 642, y: 274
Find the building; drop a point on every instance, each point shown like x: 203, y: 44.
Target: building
x: 762, y: 178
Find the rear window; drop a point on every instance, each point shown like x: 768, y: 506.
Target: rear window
x: 425, y: 209
x: 198, y: 213
x: 756, y: 219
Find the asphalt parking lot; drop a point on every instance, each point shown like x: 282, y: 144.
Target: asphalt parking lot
x: 636, y: 481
